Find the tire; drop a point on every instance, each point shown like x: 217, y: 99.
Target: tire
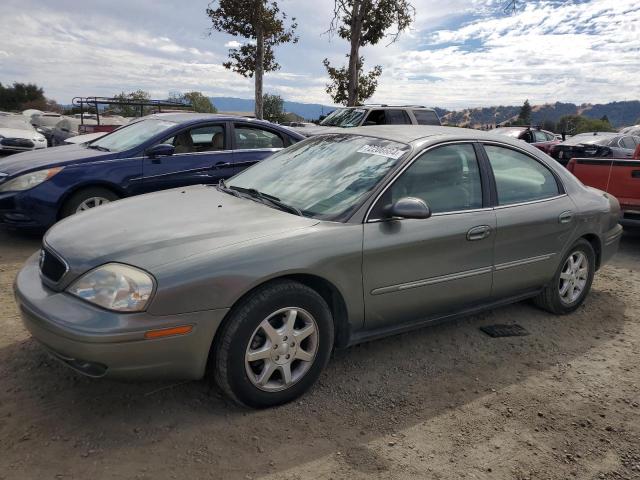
x: 551, y: 298
x: 74, y: 202
x: 243, y: 335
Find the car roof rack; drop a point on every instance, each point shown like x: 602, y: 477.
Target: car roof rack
x: 96, y: 101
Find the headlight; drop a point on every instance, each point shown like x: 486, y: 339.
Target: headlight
x: 115, y: 287
x: 29, y: 180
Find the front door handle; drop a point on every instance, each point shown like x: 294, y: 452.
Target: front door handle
x: 479, y: 233
x: 566, y: 217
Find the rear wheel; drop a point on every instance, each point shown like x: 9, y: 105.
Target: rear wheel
x: 572, y: 282
x: 87, y: 199
x: 274, y: 345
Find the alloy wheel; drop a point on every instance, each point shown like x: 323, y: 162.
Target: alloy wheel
x: 573, y: 277
x: 91, y: 202
x: 282, y: 349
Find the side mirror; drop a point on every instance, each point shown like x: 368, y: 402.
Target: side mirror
x: 408, y: 207
x: 161, y: 150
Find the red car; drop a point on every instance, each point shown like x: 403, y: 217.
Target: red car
x: 617, y: 176
x: 537, y: 137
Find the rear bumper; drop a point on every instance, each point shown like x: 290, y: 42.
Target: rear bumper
x: 611, y: 243
x: 99, y: 343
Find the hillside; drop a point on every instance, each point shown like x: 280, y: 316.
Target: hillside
x: 620, y: 114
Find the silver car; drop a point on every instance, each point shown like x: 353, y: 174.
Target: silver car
x: 339, y: 239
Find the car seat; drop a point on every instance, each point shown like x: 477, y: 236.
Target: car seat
x: 183, y: 143
x: 217, y: 141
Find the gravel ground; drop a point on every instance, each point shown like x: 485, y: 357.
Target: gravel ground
x: 445, y: 402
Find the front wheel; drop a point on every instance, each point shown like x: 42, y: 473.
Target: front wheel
x: 274, y: 345
x: 572, y: 282
x: 87, y: 199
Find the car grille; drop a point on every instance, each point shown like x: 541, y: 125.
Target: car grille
x: 51, y: 266
x: 17, y: 142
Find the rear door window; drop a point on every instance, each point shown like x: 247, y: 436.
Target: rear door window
x: 426, y: 117
x: 253, y: 138
x: 397, y: 117
x: 539, y: 136
x: 520, y: 178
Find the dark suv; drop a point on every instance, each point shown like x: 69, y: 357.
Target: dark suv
x: 367, y: 115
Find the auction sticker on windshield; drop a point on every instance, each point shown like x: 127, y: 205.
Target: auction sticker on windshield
x: 389, y: 152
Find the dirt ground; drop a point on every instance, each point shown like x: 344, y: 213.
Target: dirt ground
x: 446, y: 402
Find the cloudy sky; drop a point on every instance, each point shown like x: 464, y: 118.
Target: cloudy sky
x: 459, y: 53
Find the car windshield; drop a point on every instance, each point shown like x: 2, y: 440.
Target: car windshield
x: 344, y: 117
x: 131, y: 136
x: 324, y: 177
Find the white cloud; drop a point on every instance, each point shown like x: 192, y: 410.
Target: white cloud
x: 459, y: 53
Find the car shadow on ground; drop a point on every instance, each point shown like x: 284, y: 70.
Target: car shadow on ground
x: 366, y: 392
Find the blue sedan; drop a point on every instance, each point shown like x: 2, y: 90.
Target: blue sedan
x: 154, y: 153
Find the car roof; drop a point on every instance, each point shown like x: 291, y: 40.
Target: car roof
x: 196, y: 117
x: 385, y: 106
x: 414, y: 133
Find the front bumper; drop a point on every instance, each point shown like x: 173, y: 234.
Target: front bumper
x: 99, y: 343
x: 34, y: 209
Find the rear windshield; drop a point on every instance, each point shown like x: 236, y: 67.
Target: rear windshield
x: 590, y: 139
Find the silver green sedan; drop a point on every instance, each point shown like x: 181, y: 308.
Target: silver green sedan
x: 339, y: 239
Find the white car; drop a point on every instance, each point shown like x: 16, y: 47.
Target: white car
x: 17, y: 135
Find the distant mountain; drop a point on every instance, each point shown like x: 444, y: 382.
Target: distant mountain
x: 620, y: 114
x: 310, y: 111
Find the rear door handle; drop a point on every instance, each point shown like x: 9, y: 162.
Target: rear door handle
x: 479, y: 233
x: 566, y: 217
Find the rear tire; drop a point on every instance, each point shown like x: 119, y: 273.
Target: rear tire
x: 274, y: 345
x: 572, y: 282
x: 89, y: 198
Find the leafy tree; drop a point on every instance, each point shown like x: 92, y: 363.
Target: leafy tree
x: 524, y: 117
x: 273, y: 108
x: 574, y: 124
x: 605, y: 119
x: 363, y: 22
x: 131, y: 110
x: 549, y: 125
x: 339, y: 86
x: 259, y: 21
x: 199, y: 102
x: 21, y: 96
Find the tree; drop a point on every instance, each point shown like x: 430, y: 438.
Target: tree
x: 273, y: 108
x: 131, y: 110
x: 339, y: 86
x: 524, y: 117
x: 549, y: 125
x: 364, y: 22
x: 259, y: 21
x: 574, y: 124
x: 21, y: 96
x: 199, y: 102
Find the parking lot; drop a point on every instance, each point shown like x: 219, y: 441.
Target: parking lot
x: 443, y: 402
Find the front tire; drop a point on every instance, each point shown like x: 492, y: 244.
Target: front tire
x: 572, y: 281
x: 87, y: 199
x: 274, y: 345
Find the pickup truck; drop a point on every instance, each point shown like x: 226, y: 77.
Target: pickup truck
x: 617, y: 176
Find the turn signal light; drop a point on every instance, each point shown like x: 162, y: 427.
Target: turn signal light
x: 168, y: 332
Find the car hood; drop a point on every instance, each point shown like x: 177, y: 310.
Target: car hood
x: 163, y: 227
x: 49, y: 157
x: 19, y: 133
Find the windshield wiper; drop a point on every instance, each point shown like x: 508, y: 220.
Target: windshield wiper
x: 222, y: 186
x: 98, y: 147
x: 265, y: 197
